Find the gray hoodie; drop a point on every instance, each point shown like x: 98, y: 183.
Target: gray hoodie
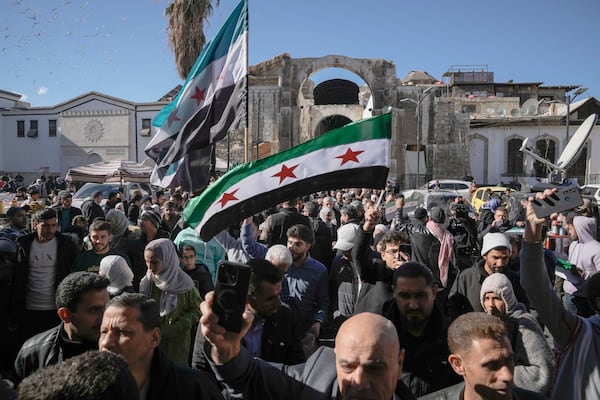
x: 534, y: 361
x: 584, y: 253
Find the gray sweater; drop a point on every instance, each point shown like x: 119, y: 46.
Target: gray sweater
x: 578, y: 339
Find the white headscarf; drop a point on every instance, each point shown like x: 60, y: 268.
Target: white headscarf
x: 117, y: 271
x: 171, y: 280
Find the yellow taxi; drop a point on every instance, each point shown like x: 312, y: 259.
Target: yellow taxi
x: 479, y: 196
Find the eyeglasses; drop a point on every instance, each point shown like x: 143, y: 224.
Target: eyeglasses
x: 393, y: 252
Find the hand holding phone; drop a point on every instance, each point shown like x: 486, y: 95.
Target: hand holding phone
x: 231, y: 291
x: 564, y: 199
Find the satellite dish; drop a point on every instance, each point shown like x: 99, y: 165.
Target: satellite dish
x: 530, y: 107
x: 569, y: 154
x: 515, y: 112
x: 576, y: 143
x: 544, y: 108
x: 501, y: 111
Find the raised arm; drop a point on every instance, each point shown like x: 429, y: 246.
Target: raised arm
x: 534, y: 279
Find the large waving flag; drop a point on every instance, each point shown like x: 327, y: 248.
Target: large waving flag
x: 356, y: 155
x: 211, y: 102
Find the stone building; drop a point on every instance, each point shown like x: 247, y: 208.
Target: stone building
x: 464, y: 124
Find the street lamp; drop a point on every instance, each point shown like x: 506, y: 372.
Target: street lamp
x: 569, y: 99
x: 418, y: 113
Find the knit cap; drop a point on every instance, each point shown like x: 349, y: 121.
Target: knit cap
x: 151, y: 216
x: 495, y: 240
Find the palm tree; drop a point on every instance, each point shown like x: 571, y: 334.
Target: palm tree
x: 186, y: 30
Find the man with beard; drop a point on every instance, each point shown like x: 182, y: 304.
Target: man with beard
x: 274, y: 335
x: 421, y: 329
x: 80, y: 301
x: 464, y: 294
x: 100, y: 237
x: 365, y: 364
x: 307, y: 282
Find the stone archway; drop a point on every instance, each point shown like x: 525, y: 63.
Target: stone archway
x: 93, y: 158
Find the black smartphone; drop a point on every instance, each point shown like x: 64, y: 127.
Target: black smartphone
x: 565, y: 199
x: 406, y: 248
x: 231, y: 291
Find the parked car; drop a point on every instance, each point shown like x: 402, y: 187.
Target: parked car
x: 592, y: 190
x: 129, y: 188
x: 431, y: 198
x: 451, y: 184
x: 479, y: 197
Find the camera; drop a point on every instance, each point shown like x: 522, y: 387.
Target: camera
x: 231, y: 291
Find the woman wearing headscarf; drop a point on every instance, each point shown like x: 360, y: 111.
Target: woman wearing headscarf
x: 534, y: 361
x: 117, y: 271
x: 121, y: 235
x: 176, y: 295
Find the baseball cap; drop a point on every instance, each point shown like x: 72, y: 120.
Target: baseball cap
x: 346, y: 237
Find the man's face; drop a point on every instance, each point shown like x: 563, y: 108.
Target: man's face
x: 170, y: 213
x: 327, y: 202
x: 66, y: 202
x: 147, y: 225
x: 266, y: 301
x: 494, y: 305
x: 496, y: 260
x: 487, y: 368
x: 392, y: 256
x: 572, y: 232
x: 85, y: 321
x: 414, y: 299
x: 188, y: 259
x: 100, y: 241
x: 122, y: 333
x: 366, y: 370
x: 500, y: 217
x: 46, y: 229
x: 298, y: 248
x: 98, y: 199
x: 19, y: 220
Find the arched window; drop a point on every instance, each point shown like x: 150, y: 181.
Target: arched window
x: 545, y: 148
x: 514, y: 158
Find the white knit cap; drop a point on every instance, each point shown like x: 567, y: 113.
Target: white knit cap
x: 494, y: 240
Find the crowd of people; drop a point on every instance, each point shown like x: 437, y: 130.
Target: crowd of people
x: 345, y: 301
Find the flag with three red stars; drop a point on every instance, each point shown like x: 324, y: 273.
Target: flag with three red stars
x: 355, y: 155
x: 211, y: 102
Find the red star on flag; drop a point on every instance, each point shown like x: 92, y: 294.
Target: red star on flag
x: 349, y: 156
x: 286, y: 172
x: 227, y: 197
x: 198, y: 95
x: 173, y: 117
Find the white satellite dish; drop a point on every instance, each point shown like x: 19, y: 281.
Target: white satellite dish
x: 530, y: 107
x: 569, y: 154
x: 576, y: 143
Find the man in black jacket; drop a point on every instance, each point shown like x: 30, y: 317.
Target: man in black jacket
x: 274, y: 335
x: 276, y: 225
x: 130, y: 327
x: 421, y: 329
x: 80, y: 300
x: 44, y: 259
x: 66, y: 212
x: 91, y: 208
x: 366, y: 363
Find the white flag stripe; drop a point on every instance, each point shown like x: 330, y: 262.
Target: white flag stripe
x: 375, y: 153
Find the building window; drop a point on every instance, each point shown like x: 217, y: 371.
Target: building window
x: 52, y: 128
x: 514, y: 158
x: 20, y: 128
x: 146, y: 127
x: 33, y: 128
x: 545, y: 148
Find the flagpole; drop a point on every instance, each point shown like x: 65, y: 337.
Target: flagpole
x: 247, y: 82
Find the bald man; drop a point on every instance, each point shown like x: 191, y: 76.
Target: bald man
x: 367, y: 359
